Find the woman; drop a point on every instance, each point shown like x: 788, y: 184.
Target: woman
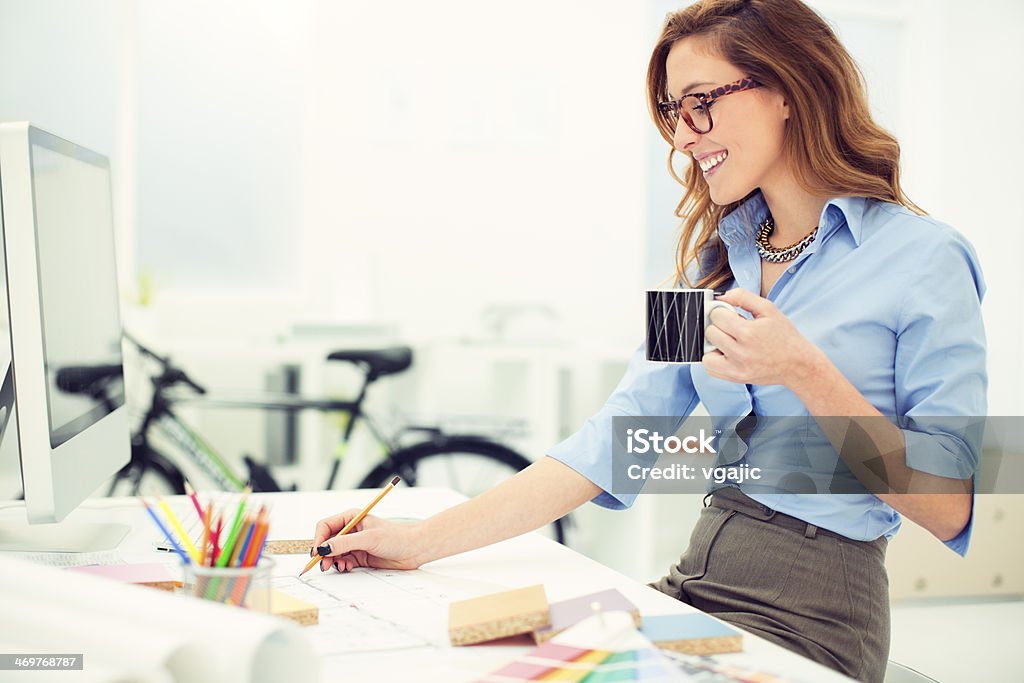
x: 856, y: 305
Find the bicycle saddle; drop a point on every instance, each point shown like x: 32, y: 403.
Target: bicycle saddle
x: 378, y: 361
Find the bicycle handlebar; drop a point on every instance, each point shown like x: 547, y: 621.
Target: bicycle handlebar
x: 145, y: 350
x: 171, y: 375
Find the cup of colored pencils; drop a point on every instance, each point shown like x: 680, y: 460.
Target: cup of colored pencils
x: 224, y: 560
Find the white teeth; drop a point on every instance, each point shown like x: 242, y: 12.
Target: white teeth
x: 712, y: 161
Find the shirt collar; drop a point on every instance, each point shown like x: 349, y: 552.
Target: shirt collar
x: 850, y: 208
x: 741, y: 224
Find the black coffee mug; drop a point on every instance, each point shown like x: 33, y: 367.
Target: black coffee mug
x: 677, y: 320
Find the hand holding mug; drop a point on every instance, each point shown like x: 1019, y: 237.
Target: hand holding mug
x: 767, y: 349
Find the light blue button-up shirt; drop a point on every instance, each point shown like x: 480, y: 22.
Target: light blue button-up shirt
x: 892, y: 298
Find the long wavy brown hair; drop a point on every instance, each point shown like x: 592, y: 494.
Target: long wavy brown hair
x: 834, y: 146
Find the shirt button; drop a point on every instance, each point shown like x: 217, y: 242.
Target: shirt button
x: 792, y: 269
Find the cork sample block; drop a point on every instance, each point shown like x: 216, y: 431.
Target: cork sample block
x: 498, y: 615
x: 692, y: 634
x: 298, y: 546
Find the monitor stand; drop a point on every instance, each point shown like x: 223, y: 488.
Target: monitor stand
x: 64, y: 537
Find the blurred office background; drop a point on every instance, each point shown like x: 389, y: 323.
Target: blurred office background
x: 480, y: 181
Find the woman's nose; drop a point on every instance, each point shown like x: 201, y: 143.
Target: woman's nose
x: 684, y: 136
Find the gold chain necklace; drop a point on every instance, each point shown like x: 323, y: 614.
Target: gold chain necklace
x: 779, y: 254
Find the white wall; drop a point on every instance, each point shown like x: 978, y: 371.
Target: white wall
x: 967, y: 170
x: 426, y: 159
x: 67, y: 67
x: 219, y: 109
x: 491, y: 154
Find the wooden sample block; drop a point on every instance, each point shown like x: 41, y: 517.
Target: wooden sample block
x: 498, y: 615
x: 692, y: 634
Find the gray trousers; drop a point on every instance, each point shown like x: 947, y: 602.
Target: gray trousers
x: 809, y: 590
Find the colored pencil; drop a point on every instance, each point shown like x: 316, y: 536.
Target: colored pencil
x: 216, y: 538
x: 240, y: 548
x: 189, y: 546
x: 206, y: 533
x: 213, y: 591
x: 165, y: 531
x: 251, y: 556
x: 260, y: 535
x: 195, y: 499
x: 235, y: 586
x: 229, y: 544
x: 355, y: 520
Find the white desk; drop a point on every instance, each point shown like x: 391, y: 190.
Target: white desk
x: 517, y: 562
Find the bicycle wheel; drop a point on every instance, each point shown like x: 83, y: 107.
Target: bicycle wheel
x: 468, y: 464
x: 149, y: 475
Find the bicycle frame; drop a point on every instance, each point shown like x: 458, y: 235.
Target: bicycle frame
x: 184, y: 437
x: 161, y: 416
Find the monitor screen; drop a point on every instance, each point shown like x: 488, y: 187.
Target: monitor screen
x: 77, y: 283
x: 69, y: 417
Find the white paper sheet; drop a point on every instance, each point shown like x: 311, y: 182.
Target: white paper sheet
x: 372, y: 610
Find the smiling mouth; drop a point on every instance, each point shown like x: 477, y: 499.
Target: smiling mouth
x: 709, y: 164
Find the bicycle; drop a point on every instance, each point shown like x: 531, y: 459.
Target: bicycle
x: 435, y: 458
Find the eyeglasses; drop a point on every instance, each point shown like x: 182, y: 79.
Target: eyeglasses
x: 695, y: 108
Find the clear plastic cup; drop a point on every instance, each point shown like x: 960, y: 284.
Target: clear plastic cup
x: 247, y: 587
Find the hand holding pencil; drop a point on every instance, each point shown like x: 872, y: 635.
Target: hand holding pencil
x: 354, y: 538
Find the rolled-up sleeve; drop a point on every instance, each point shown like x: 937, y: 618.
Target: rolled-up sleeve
x: 647, y: 389
x: 940, y: 377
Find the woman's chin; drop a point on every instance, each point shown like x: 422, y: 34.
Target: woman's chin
x: 722, y: 196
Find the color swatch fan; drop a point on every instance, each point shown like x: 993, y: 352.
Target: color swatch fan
x: 600, y: 649
x: 570, y: 612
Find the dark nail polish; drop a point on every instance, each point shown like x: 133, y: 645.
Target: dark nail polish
x: 311, y: 552
x: 325, y: 549
x: 323, y: 568
x: 336, y: 567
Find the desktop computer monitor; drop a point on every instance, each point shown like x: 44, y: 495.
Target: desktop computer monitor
x: 61, y: 329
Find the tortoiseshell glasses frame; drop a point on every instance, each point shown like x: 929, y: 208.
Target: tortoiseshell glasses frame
x: 695, y: 107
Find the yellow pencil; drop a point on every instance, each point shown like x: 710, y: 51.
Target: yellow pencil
x: 190, y: 547
x: 355, y: 520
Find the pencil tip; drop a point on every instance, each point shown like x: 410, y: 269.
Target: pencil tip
x: 395, y: 481
x: 188, y: 488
